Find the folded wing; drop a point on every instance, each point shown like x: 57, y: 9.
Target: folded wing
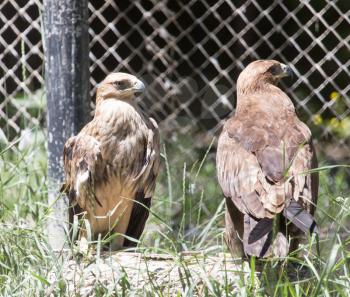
x: 82, y: 164
x: 147, y: 182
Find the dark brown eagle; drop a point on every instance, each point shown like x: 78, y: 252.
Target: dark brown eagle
x: 111, y: 166
x: 263, y: 157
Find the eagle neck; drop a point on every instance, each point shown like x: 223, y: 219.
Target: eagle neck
x: 116, y: 101
x: 270, y: 99
x: 117, y: 108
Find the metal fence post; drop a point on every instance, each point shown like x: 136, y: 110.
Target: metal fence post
x: 66, y: 44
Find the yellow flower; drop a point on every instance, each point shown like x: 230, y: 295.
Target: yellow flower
x: 334, y: 123
x: 317, y: 119
x: 334, y: 96
x: 345, y: 123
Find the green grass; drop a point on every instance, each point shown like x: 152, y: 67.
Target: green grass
x: 186, y: 215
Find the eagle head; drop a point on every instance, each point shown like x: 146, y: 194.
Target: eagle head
x: 258, y: 74
x: 121, y: 86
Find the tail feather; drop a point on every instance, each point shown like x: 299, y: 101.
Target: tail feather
x: 258, y: 239
x: 259, y: 243
x: 300, y: 218
x: 263, y: 227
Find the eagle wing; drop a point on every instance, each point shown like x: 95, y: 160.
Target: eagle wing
x: 147, y: 182
x: 82, y: 160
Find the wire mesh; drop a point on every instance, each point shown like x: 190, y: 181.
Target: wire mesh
x: 190, y: 53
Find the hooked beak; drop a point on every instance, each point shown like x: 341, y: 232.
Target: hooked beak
x: 286, y: 71
x: 138, y: 87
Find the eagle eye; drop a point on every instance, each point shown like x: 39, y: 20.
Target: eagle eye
x: 275, y: 69
x: 121, y: 84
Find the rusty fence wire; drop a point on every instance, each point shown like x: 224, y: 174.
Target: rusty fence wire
x: 190, y: 53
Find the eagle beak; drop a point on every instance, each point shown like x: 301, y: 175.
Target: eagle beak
x: 138, y: 87
x: 286, y: 70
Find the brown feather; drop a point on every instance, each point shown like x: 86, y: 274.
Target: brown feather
x: 138, y: 218
x: 264, y: 226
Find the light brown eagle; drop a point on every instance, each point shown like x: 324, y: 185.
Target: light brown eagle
x: 263, y: 155
x: 111, y: 166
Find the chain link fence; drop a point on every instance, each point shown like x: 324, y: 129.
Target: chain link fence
x: 190, y: 53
